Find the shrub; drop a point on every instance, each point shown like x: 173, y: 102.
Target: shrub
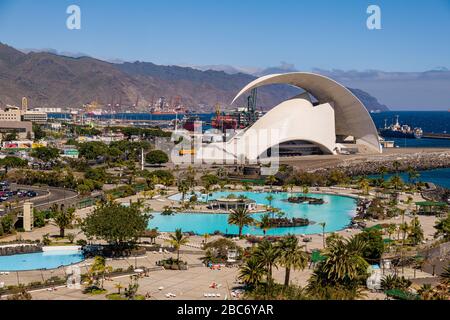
x: 81, y: 242
x: 157, y: 157
x: 70, y: 237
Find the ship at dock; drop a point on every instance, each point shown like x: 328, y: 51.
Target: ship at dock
x: 240, y: 118
x: 397, y: 130
x: 162, y: 107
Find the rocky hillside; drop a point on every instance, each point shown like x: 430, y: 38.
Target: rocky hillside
x: 54, y: 80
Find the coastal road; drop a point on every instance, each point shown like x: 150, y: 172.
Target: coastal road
x: 47, y: 196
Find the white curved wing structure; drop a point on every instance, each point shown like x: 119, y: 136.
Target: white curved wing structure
x: 338, y: 113
x: 351, y: 117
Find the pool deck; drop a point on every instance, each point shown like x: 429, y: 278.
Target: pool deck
x: 193, y: 283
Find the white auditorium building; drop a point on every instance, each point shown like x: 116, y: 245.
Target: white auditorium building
x: 325, y: 119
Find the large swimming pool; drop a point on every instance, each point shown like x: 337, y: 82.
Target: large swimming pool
x: 40, y: 260
x: 337, y: 213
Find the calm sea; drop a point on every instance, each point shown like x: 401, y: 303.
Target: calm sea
x: 429, y: 121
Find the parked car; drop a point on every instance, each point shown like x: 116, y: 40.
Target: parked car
x: 31, y: 194
x: 21, y: 193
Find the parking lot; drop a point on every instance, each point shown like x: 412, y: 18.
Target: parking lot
x: 12, y: 195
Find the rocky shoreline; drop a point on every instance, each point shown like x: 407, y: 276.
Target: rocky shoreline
x: 417, y: 161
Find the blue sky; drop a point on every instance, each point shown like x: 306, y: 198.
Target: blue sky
x: 309, y: 34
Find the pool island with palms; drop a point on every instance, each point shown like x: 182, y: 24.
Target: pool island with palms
x: 336, y: 213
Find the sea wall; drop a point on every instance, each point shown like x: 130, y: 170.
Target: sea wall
x: 418, y: 161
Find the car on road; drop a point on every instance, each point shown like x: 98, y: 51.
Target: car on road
x: 31, y: 193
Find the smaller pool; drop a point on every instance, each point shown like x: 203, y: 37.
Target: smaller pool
x: 40, y: 260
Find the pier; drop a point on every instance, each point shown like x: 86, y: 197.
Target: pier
x: 428, y: 135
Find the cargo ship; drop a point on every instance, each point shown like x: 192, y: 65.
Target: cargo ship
x: 191, y: 123
x: 400, y: 131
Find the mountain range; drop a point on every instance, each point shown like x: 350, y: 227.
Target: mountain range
x: 54, y: 80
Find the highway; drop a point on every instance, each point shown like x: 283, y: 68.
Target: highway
x: 46, y: 196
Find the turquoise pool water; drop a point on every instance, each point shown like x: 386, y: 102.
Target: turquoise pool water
x: 337, y: 212
x: 40, y: 260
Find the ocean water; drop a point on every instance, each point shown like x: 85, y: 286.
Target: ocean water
x: 440, y: 177
x: 429, y: 121
x: 337, y: 213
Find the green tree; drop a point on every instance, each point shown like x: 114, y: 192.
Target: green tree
x: 268, y: 255
x: 63, y: 219
x: 291, y: 256
x: 265, y: 223
x: 183, y: 188
x: 97, y: 174
x: 252, y: 272
x: 45, y: 154
x: 374, y: 245
x: 271, y: 180
x: 396, y: 182
x: 177, y: 240
x: 364, y: 186
x: 7, y: 223
x: 323, y: 225
x: 156, y: 157
x: 344, y: 265
x: 99, y: 269
x: 443, y: 228
x: 270, y: 198
x: 240, y: 217
x: 118, y: 225
x: 413, y: 174
x: 415, y: 235
x: 305, y: 189
x: 13, y: 162
x: 93, y: 150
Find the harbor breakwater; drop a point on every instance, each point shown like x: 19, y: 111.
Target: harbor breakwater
x: 417, y: 161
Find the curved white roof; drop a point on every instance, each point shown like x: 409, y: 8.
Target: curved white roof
x: 351, y: 117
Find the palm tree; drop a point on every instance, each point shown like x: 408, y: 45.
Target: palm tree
x: 291, y: 187
x: 271, y: 181
x: 396, y: 164
x: 119, y: 287
x: 183, y: 187
x: 207, y: 190
x: 252, y: 272
x: 323, y: 225
x: 445, y: 276
x: 344, y: 260
x: 382, y: 171
x: 412, y: 174
x: 364, y: 186
x: 305, y: 189
x: 291, y: 256
x: 396, y: 182
x: 63, y: 219
x: 270, y: 199
x: 268, y: 255
x: 206, y: 236
x: 265, y: 224
x: 416, y: 232
x: 240, y: 217
x: 177, y: 240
